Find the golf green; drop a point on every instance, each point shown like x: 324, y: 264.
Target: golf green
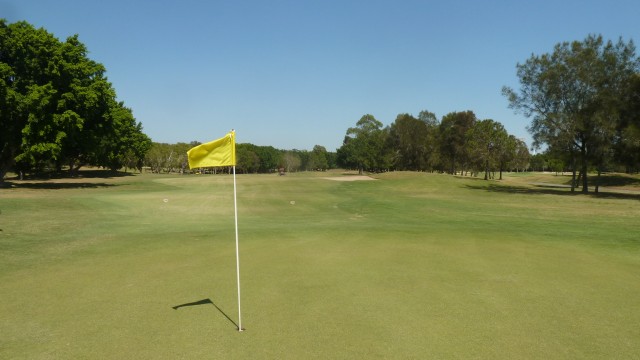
x: 409, y: 265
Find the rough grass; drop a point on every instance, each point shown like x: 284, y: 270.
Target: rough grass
x: 409, y: 266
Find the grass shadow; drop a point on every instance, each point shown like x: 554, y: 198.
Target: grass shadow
x: 63, y: 180
x: 617, y: 180
x: 607, y: 180
x: 81, y: 174
x: 45, y: 185
x: 206, y: 302
x: 552, y: 189
x: 537, y: 190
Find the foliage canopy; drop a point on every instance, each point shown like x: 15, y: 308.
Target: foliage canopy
x: 58, y: 108
x: 576, y: 98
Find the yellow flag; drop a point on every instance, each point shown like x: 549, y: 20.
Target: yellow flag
x: 220, y: 152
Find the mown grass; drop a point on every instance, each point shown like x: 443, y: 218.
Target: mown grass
x: 409, y: 266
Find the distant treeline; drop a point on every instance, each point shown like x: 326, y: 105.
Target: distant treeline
x: 172, y: 158
x: 459, y: 143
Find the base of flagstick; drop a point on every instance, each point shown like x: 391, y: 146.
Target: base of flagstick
x: 241, y: 330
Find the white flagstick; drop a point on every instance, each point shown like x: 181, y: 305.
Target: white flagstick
x: 235, y: 205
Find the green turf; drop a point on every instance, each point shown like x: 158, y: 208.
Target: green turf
x: 408, y: 266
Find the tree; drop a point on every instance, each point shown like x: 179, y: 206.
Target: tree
x: 408, y: 137
x: 162, y: 157
x: 363, y: 146
x: 428, y: 118
x: 556, y: 165
x: 574, y: 97
x: 332, y: 159
x: 486, y: 144
x: 125, y: 145
x: 453, y: 136
x: 268, y: 158
x: 431, y: 141
x: 318, y: 158
x: 291, y: 161
x: 86, y: 100
x: 155, y: 158
x: 8, y: 112
x: 58, y: 107
x: 247, y: 160
x: 26, y: 90
x: 522, y: 156
x: 627, y: 150
x: 504, y: 149
x: 538, y: 162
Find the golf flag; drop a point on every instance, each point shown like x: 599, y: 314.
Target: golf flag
x: 220, y: 152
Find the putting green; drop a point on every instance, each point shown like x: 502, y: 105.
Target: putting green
x: 410, y: 266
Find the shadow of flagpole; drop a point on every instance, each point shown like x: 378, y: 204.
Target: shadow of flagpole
x: 206, y: 302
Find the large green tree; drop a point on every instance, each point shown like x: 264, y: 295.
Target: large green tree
x: 247, y: 159
x: 268, y: 158
x: 408, y: 137
x: 628, y: 133
x: 431, y: 142
x: 125, y: 145
x: 485, y: 142
x: 25, y: 90
x: 318, y: 158
x: 574, y: 96
x: 58, y: 107
x: 521, y: 155
x: 453, y: 139
x: 364, y: 146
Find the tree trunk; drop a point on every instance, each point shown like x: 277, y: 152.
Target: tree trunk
x: 573, y: 173
x: 585, y: 183
x: 584, y: 168
x: 597, y: 188
x: 486, y: 170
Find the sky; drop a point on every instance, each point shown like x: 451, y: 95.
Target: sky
x: 293, y: 74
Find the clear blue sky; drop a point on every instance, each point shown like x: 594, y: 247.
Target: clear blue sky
x: 296, y: 73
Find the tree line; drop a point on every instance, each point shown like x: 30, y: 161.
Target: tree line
x: 250, y: 159
x: 584, y: 101
x: 58, y: 110
x: 57, y: 107
x: 459, y: 143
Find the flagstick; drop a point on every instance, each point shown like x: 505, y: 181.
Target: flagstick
x: 235, y: 205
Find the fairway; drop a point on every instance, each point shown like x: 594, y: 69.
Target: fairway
x: 410, y: 266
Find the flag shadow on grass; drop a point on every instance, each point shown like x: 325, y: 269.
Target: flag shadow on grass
x: 205, y: 302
